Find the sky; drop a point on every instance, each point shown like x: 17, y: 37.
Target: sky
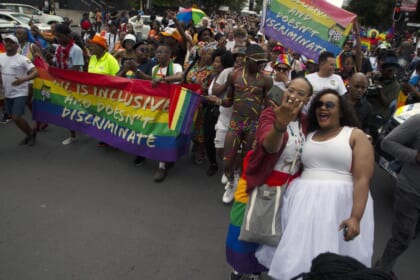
x: 338, y: 3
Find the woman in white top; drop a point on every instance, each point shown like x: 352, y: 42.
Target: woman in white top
x: 329, y: 208
x: 221, y: 59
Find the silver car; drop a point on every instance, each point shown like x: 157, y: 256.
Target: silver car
x: 22, y: 20
x: 6, y: 27
x: 29, y: 10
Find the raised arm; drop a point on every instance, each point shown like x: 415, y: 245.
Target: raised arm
x: 358, y: 53
x: 185, y: 39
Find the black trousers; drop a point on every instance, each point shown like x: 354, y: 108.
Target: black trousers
x: 210, y: 119
x: 406, y: 217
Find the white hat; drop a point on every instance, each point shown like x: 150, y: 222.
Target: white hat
x: 13, y: 38
x: 130, y: 37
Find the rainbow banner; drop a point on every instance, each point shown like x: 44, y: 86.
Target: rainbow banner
x: 131, y: 115
x: 366, y: 43
x: 308, y: 27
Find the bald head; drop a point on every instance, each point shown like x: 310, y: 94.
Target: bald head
x: 358, y: 76
x: 358, y: 85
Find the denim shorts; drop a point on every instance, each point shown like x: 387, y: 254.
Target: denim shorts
x: 16, y: 106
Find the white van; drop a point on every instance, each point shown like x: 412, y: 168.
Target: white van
x: 31, y: 11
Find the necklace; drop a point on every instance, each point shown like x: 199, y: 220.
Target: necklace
x: 298, y: 138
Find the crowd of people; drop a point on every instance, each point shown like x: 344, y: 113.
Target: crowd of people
x: 269, y: 115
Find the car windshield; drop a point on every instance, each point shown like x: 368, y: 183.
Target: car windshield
x: 22, y: 18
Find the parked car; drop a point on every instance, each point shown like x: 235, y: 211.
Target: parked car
x: 31, y: 11
x: 6, y: 27
x: 384, y: 160
x: 144, y: 30
x: 22, y: 20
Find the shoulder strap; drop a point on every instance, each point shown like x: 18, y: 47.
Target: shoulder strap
x: 155, y: 70
x: 170, y: 69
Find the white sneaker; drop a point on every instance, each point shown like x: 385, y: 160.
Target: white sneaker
x: 224, y: 179
x: 229, y: 193
x: 236, y: 177
x: 69, y: 140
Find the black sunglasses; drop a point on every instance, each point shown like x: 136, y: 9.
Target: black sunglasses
x: 328, y: 104
x: 282, y: 69
x: 144, y: 50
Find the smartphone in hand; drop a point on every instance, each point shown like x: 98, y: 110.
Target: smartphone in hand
x: 276, y: 95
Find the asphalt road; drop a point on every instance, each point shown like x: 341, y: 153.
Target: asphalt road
x: 85, y: 212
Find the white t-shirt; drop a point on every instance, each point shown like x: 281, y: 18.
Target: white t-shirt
x: 319, y: 83
x: 230, y: 45
x: 75, y: 58
x: 11, y: 68
x: 333, y: 82
x: 112, y: 40
x: 224, y: 112
x: 268, y: 69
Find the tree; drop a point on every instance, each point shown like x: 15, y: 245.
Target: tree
x: 373, y: 13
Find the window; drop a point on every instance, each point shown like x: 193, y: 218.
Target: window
x: 12, y: 8
x: 29, y: 10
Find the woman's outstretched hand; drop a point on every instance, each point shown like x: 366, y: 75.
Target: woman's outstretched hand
x: 288, y: 110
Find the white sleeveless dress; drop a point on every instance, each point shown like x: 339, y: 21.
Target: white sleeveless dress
x: 313, y: 207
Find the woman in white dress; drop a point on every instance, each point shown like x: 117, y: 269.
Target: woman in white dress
x: 329, y: 208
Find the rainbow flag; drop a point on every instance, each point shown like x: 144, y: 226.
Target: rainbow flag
x: 241, y: 254
x: 183, y: 105
x: 339, y: 62
x: 125, y: 113
x: 308, y: 27
x: 365, y: 43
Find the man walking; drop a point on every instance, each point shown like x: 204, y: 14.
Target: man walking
x: 16, y: 72
x: 404, y: 144
x: 68, y: 55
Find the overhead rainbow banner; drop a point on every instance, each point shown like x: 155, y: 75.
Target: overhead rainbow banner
x: 128, y: 114
x: 308, y: 27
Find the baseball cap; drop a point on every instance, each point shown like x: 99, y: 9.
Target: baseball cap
x: 129, y: 37
x: 256, y: 53
x: 12, y: 38
x: 171, y: 32
x: 98, y: 40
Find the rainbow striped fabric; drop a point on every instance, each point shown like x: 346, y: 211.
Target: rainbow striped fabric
x: 183, y: 107
x: 366, y: 43
x: 241, y: 254
x: 308, y: 27
x: 125, y: 113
